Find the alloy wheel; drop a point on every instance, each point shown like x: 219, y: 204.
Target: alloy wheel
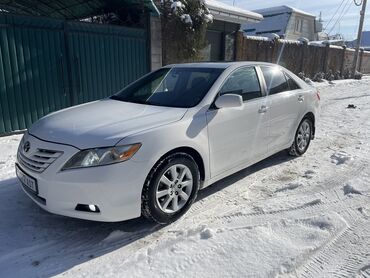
x: 174, y: 188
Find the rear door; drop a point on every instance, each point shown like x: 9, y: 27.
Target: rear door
x: 238, y: 135
x: 285, y: 107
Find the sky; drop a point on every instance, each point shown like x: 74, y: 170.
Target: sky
x: 347, y: 25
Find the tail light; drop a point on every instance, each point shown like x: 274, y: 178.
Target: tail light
x: 318, y: 94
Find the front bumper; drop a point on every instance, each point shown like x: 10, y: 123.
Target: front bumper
x: 115, y: 189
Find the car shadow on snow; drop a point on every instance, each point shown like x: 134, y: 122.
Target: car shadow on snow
x: 273, y: 160
x: 36, y: 243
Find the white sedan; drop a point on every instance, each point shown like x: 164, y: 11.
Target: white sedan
x: 148, y: 149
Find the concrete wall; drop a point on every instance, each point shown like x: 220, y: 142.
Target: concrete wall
x: 155, y: 42
x: 299, y: 57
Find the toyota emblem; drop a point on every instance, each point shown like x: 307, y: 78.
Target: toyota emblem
x: 26, y: 146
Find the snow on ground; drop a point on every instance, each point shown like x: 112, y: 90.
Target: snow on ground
x: 285, y: 217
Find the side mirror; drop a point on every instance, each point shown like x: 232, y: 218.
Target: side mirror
x: 229, y: 101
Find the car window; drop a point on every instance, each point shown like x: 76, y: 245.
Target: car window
x: 243, y: 82
x: 196, y: 77
x: 275, y: 80
x: 172, y: 87
x: 292, y: 84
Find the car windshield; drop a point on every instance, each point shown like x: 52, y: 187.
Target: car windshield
x: 172, y: 87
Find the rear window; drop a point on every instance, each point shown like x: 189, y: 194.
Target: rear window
x: 275, y: 80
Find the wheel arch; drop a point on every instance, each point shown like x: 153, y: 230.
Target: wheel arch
x: 194, y: 154
x: 311, y: 117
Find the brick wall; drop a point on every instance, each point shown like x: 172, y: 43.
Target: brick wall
x: 155, y: 42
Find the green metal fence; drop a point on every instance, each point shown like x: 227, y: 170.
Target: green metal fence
x: 48, y: 64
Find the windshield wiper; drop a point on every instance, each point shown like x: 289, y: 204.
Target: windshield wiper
x: 115, y: 97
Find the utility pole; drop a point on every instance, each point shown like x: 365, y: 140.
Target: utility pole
x: 359, y: 35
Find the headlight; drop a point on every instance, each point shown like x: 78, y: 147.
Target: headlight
x: 101, y: 156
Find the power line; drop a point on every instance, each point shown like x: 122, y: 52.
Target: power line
x: 342, y: 14
x: 334, y: 14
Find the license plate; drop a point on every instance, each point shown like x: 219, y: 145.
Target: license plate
x: 26, y: 180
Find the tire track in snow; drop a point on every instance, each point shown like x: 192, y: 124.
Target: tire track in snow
x: 210, y: 205
x: 364, y: 271
x: 342, y: 256
x: 317, y: 199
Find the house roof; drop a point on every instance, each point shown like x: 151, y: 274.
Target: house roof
x: 281, y: 9
x: 274, y: 24
x: 365, y: 39
x: 224, y: 12
x: 71, y: 9
x: 275, y: 20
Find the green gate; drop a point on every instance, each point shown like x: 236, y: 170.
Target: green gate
x: 49, y: 64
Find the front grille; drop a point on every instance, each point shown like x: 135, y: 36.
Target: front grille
x: 39, y: 160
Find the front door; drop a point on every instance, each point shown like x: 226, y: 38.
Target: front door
x: 238, y: 135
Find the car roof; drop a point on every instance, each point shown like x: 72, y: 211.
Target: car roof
x: 220, y: 65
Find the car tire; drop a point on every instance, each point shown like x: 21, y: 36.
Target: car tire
x: 170, y: 188
x: 302, y: 138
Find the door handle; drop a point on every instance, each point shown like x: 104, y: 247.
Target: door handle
x: 263, y: 109
x: 300, y: 98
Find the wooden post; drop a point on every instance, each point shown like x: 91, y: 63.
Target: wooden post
x: 359, y: 36
x: 343, y: 60
x: 326, y: 58
x: 360, y: 62
x: 303, y: 52
x: 239, y: 46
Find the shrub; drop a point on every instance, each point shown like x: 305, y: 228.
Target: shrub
x: 184, y: 24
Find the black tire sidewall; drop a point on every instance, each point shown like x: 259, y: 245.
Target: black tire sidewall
x: 156, y: 213
x: 296, y: 137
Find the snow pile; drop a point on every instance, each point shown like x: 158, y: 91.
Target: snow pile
x: 186, y: 18
x: 340, y: 157
x: 256, y: 38
x: 208, y: 18
x: 177, y: 6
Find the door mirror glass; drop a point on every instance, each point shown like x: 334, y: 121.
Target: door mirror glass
x: 229, y: 100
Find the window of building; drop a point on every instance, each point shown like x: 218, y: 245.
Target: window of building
x: 298, y: 25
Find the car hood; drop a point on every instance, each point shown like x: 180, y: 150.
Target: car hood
x: 102, y: 123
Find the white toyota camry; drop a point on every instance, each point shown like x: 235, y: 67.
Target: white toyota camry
x: 148, y: 149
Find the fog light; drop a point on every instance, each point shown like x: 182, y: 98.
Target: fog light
x: 92, y: 207
x: 87, y: 208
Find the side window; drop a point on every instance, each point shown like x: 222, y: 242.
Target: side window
x: 243, y: 82
x: 275, y: 80
x: 292, y: 84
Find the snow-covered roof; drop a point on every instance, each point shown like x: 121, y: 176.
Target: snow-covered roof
x: 281, y: 9
x: 273, y: 24
x: 339, y: 43
x: 275, y: 20
x: 224, y: 12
